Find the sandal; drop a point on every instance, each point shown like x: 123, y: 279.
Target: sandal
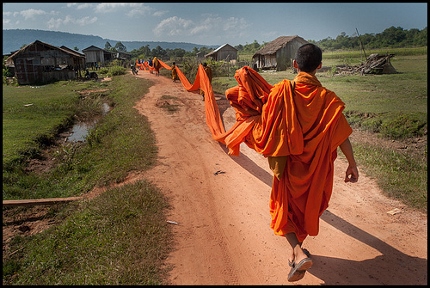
x: 298, y: 270
x: 306, y: 251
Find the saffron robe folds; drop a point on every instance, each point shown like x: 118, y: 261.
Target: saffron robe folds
x: 297, y: 125
x: 298, y: 129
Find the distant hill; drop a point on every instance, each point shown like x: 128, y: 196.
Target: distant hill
x: 14, y: 39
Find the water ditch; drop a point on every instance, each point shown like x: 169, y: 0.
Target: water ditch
x: 80, y: 130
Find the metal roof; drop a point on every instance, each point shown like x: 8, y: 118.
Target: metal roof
x: 219, y: 48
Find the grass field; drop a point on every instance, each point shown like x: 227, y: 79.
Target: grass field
x: 92, y: 237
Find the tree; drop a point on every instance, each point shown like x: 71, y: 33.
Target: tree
x: 108, y: 47
x: 159, y: 52
x: 120, y: 47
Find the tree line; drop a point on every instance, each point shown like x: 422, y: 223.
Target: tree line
x: 393, y: 37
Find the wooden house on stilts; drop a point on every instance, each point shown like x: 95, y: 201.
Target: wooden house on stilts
x: 278, y: 54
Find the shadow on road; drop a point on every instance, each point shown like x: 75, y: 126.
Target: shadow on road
x: 250, y: 166
x: 393, y: 267
x: 397, y: 267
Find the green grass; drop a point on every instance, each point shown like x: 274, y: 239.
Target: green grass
x: 119, y: 239
x: 99, y: 242
x: 399, y: 175
x: 80, y: 168
x: 31, y: 111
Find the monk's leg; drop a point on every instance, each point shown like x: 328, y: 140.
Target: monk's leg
x: 297, y: 252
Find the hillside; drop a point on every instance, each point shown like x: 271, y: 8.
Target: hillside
x: 14, y: 39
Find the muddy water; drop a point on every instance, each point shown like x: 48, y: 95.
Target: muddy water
x: 80, y: 130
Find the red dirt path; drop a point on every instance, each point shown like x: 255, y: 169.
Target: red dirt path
x: 223, y: 234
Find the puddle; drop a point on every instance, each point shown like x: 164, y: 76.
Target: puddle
x: 105, y: 108
x: 80, y: 130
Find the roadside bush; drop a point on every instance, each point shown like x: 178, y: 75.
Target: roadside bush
x: 104, y: 70
x: 390, y: 126
x: 404, y: 126
x: 116, y: 70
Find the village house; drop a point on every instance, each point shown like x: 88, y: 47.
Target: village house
x: 225, y: 52
x: 96, y: 57
x: 278, y: 54
x: 42, y: 63
x: 82, y: 59
x: 123, y: 57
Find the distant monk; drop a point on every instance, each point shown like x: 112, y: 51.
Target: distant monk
x: 208, y: 71
x: 156, y: 64
x: 151, y: 67
x: 174, y: 72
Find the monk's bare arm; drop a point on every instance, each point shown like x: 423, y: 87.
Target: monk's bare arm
x: 352, y: 171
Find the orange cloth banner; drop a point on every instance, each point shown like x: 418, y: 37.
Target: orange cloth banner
x: 298, y: 119
x: 213, y: 117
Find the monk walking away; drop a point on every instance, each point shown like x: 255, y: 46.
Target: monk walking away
x: 303, y: 181
x: 298, y: 126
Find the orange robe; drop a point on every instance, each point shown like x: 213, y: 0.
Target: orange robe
x: 299, y: 133
x: 208, y: 71
x: 174, y: 73
x: 156, y: 65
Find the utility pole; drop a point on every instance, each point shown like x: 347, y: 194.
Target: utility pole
x: 361, y: 44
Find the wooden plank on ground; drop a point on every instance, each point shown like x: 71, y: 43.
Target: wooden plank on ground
x: 46, y: 201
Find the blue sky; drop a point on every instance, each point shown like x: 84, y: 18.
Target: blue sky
x: 214, y: 23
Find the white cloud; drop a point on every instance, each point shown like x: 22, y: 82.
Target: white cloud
x: 59, y: 22
x: 139, y: 11
x: 132, y: 10
x: 160, y: 13
x: 173, y: 26
x: 112, y: 7
x: 81, y: 6
x: 30, y: 13
x: 235, y: 24
x: 232, y: 27
x: 54, y: 23
x: 85, y: 21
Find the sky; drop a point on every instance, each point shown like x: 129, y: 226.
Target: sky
x: 214, y: 23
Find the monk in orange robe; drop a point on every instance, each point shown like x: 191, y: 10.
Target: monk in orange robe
x: 298, y: 126
x: 174, y: 72
x: 208, y: 71
x: 156, y: 64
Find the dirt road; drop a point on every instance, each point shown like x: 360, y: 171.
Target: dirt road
x: 223, y: 235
